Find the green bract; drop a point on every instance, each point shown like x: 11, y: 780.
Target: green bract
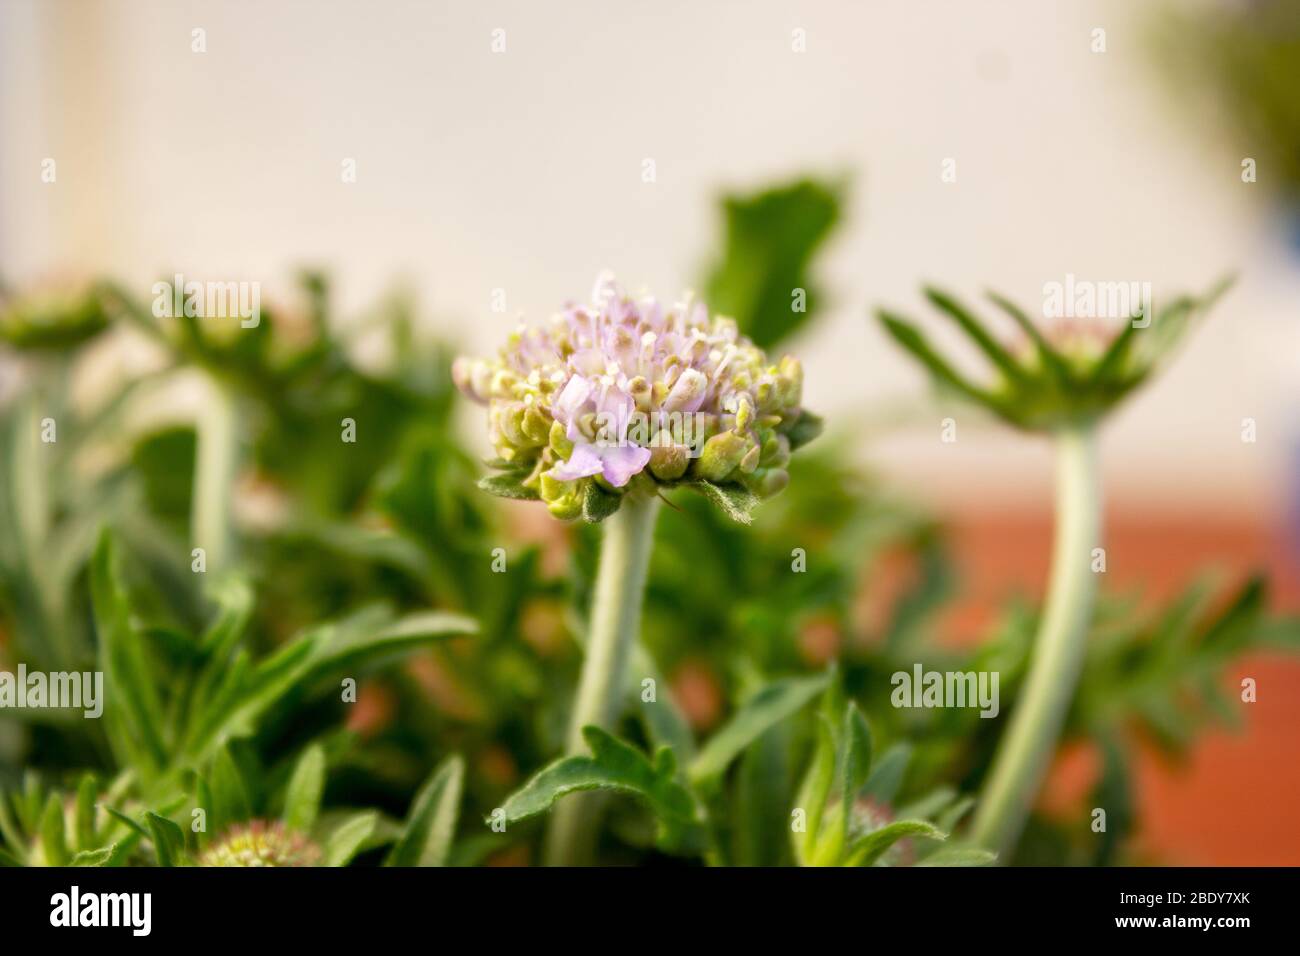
x: 1065, y: 375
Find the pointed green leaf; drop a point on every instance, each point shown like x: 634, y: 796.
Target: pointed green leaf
x: 54, y: 844
x: 426, y: 840
x: 771, y: 705
x: 509, y: 485
x: 736, y: 501
x: 868, y: 848
x: 135, y: 827
x: 230, y: 800
x: 972, y: 326
x: 303, y: 796
x: 887, y: 776
x: 350, y: 646
x: 815, y: 790
x: 346, y: 840
x: 168, y: 840
x: 855, y: 752
x: 126, y: 669
x: 960, y: 856
x: 1051, y: 359
x: 87, y: 794
x: 9, y: 828
x: 911, y: 339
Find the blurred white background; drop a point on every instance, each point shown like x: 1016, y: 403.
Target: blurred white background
x: 522, y: 171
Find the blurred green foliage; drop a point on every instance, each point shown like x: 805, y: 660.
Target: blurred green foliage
x: 1242, y: 61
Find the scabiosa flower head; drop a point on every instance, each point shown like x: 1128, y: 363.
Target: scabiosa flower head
x: 258, y: 843
x: 625, y: 395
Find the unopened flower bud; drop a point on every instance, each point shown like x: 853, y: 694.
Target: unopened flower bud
x: 536, y: 426
x: 721, y: 455
x: 669, y: 462
x: 776, y: 452
x: 766, y: 482
x: 686, y: 392
x: 559, y: 441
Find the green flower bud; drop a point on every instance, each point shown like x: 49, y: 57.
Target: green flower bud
x: 750, y: 461
x: 669, y: 462
x: 721, y: 455
x: 563, y: 498
x: 536, y: 425
x: 566, y: 507
x: 766, y: 482
x: 560, y: 441
x: 744, y: 412
x: 511, y: 422
x: 776, y: 451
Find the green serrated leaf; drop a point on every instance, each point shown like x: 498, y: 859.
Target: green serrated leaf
x: 427, y: 837
x: 613, y: 765
x: 303, y: 796
x: 770, y: 241
x: 769, y: 706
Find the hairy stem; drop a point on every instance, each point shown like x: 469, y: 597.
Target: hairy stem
x: 1027, y: 746
x: 214, y: 473
x: 612, y: 633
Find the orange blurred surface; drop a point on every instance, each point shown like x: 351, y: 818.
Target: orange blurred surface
x: 1235, y: 801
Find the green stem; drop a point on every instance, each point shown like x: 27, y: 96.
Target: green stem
x: 214, y: 474
x: 1022, y: 758
x: 611, y: 635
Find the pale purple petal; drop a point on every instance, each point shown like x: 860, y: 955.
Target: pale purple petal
x: 588, y: 362
x: 622, y: 462
x: 571, y: 397
x: 585, y: 460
